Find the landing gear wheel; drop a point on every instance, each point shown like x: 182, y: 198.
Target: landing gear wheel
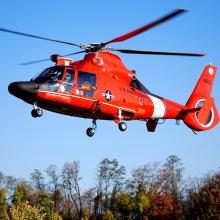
x: 37, y: 112
x: 122, y: 126
x: 33, y: 113
x: 90, y: 132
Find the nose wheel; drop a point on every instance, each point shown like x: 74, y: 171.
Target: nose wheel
x: 38, y: 112
x: 91, y: 131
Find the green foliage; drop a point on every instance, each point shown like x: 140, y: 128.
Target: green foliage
x: 133, y: 207
x: 44, y: 202
x: 24, y: 211
x: 55, y: 216
x: 126, y: 205
x: 85, y: 214
x: 22, y: 192
x: 143, y: 203
x: 18, y: 196
x: 3, y: 205
x: 108, y: 215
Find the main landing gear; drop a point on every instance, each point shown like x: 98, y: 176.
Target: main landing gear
x: 122, y: 126
x: 91, y: 131
x: 36, y: 112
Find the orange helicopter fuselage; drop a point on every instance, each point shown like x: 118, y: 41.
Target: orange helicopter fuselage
x: 111, y: 98
x: 101, y: 87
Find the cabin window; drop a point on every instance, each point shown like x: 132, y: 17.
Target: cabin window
x: 86, y: 84
x: 86, y: 79
x: 68, y: 81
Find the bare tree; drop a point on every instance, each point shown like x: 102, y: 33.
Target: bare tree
x: 110, y: 177
x: 145, y: 177
x: 10, y: 185
x: 203, y: 198
x: 1, y: 179
x: 38, y: 180
x: 171, y: 181
x: 54, y: 185
x: 88, y: 198
x: 71, y: 185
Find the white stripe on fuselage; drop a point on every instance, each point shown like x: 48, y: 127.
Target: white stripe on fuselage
x: 159, y: 108
x: 93, y: 100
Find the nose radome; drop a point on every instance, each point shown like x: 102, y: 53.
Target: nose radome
x: 24, y: 89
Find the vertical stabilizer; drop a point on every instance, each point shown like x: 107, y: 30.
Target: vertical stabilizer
x: 205, y: 115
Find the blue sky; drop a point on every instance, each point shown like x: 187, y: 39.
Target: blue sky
x: 28, y: 143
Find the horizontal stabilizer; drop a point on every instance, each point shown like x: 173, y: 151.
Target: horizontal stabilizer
x: 190, y: 110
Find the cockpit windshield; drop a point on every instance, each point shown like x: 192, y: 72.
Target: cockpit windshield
x: 51, y: 74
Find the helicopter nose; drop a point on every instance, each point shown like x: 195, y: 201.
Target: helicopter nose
x: 24, y: 90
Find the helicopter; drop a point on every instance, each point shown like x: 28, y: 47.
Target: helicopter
x: 100, y: 87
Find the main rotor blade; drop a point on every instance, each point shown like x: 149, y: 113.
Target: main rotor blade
x: 146, y: 27
x: 47, y: 59
x: 38, y: 37
x: 158, y: 52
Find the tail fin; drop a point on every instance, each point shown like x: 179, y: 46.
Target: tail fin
x: 205, y: 115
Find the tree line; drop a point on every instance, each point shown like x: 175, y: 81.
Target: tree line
x: 153, y: 191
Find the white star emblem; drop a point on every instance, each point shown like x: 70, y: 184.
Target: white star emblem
x: 108, y: 95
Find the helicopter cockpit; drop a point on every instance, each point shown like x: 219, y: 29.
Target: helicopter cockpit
x: 51, y: 73
x: 52, y: 78
x: 61, y: 79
